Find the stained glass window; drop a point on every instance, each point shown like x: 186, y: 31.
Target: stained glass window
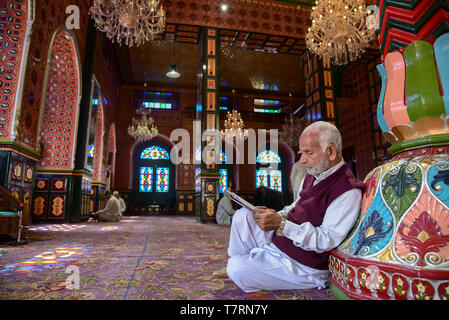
x: 162, y: 182
x: 91, y: 150
x: 223, y: 181
x: 276, y: 180
x: 223, y: 157
x: 146, y: 179
x: 157, y: 105
x: 155, y: 153
x: 261, y: 178
x: 268, y: 177
x: 268, y: 156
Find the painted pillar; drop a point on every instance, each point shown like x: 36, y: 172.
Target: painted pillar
x: 81, y: 183
x: 319, y: 87
x: 399, y: 247
x: 208, y: 112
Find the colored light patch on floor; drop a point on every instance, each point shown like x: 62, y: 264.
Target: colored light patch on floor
x: 57, y: 258
x: 111, y: 228
x: 58, y: 227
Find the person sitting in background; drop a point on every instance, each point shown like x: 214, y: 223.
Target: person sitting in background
x: 122, y: 203
x: 111, y: 213
x: 225, y: 210
x: 297, y: 174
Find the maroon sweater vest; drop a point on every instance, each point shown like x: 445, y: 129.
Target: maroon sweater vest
x: 311, y: 207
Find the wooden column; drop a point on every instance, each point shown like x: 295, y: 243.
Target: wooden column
x: 320, y: 95
x: 208, y: 112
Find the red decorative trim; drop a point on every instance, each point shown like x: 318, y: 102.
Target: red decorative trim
x: 391, y: 281
x: 429, y: 151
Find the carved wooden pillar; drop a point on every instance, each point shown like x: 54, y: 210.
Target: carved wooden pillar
x: 320, y: 96
x: 208, y: 112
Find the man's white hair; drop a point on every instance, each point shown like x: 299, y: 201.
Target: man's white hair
x: 327, y: 134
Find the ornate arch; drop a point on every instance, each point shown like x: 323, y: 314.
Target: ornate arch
x: 132, y: 151
x: 60, y: 104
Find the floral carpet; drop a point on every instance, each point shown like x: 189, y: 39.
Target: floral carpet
x: 140, y: 258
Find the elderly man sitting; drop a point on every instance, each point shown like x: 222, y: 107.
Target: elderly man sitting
x: 289, y: 249
x: 111, y: 212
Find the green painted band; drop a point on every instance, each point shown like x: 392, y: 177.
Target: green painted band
x: 421, y: 142
x: 338, y: 294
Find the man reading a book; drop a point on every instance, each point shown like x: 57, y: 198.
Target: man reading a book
x: 289, y: 249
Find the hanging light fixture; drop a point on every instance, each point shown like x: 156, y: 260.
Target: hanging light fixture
x: 140, y: 128
x: 131, y: 21
x: 172, y: 73
x: 292, y: 129
x: 339, y: 30
x: 234, y: 125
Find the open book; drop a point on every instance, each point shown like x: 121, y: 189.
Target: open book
x: 240, y: 201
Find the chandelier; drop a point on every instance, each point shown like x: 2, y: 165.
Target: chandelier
x: 233, y: 125
x: 292, y: 129
x: 339, y: 30
x: 131, y: 21
x: 140, y: 128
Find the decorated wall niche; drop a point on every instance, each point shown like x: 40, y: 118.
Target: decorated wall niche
x: 61, y: 104
x: 14, y: 42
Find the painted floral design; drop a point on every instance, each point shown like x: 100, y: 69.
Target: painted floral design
x: 401, y: 186
x: 443, y: 291
x: 441, y: 176
x: 400, y: 287
x: 371, y: 231
x: 424, y: 236
x: 422, y: 290
x: 401, y: 178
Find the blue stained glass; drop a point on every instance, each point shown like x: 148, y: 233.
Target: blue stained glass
x: 223, y: 157
x: 162, y: 183
x: 261, y: 178
x: 155, y: 153
x: 223, y: 181
x: 146, y: 179
x: 90, y: 150
x: 276, y: 180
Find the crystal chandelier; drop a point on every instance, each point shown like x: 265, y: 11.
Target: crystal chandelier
x: 292, y: 129
x: 131, y: 21
x: 339, y: 30
x: 234, y: 125
x: 140, y: 128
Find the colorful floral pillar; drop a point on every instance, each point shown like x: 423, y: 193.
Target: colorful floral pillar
x: 399, y: 247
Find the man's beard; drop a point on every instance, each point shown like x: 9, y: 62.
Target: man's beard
x: 320, y: 167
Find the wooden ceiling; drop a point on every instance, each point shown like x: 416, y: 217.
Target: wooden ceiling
x: 259, y: 53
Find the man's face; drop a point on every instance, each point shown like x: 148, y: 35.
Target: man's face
x: 313, y: 158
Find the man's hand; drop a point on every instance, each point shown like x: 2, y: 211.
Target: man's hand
x: 267, y: 219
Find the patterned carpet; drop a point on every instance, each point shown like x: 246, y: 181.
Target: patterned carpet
x: 152, y: 257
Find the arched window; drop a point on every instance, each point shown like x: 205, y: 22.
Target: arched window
x: 266, y: 174
x: 154, y: 176
x: 155, y: 153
